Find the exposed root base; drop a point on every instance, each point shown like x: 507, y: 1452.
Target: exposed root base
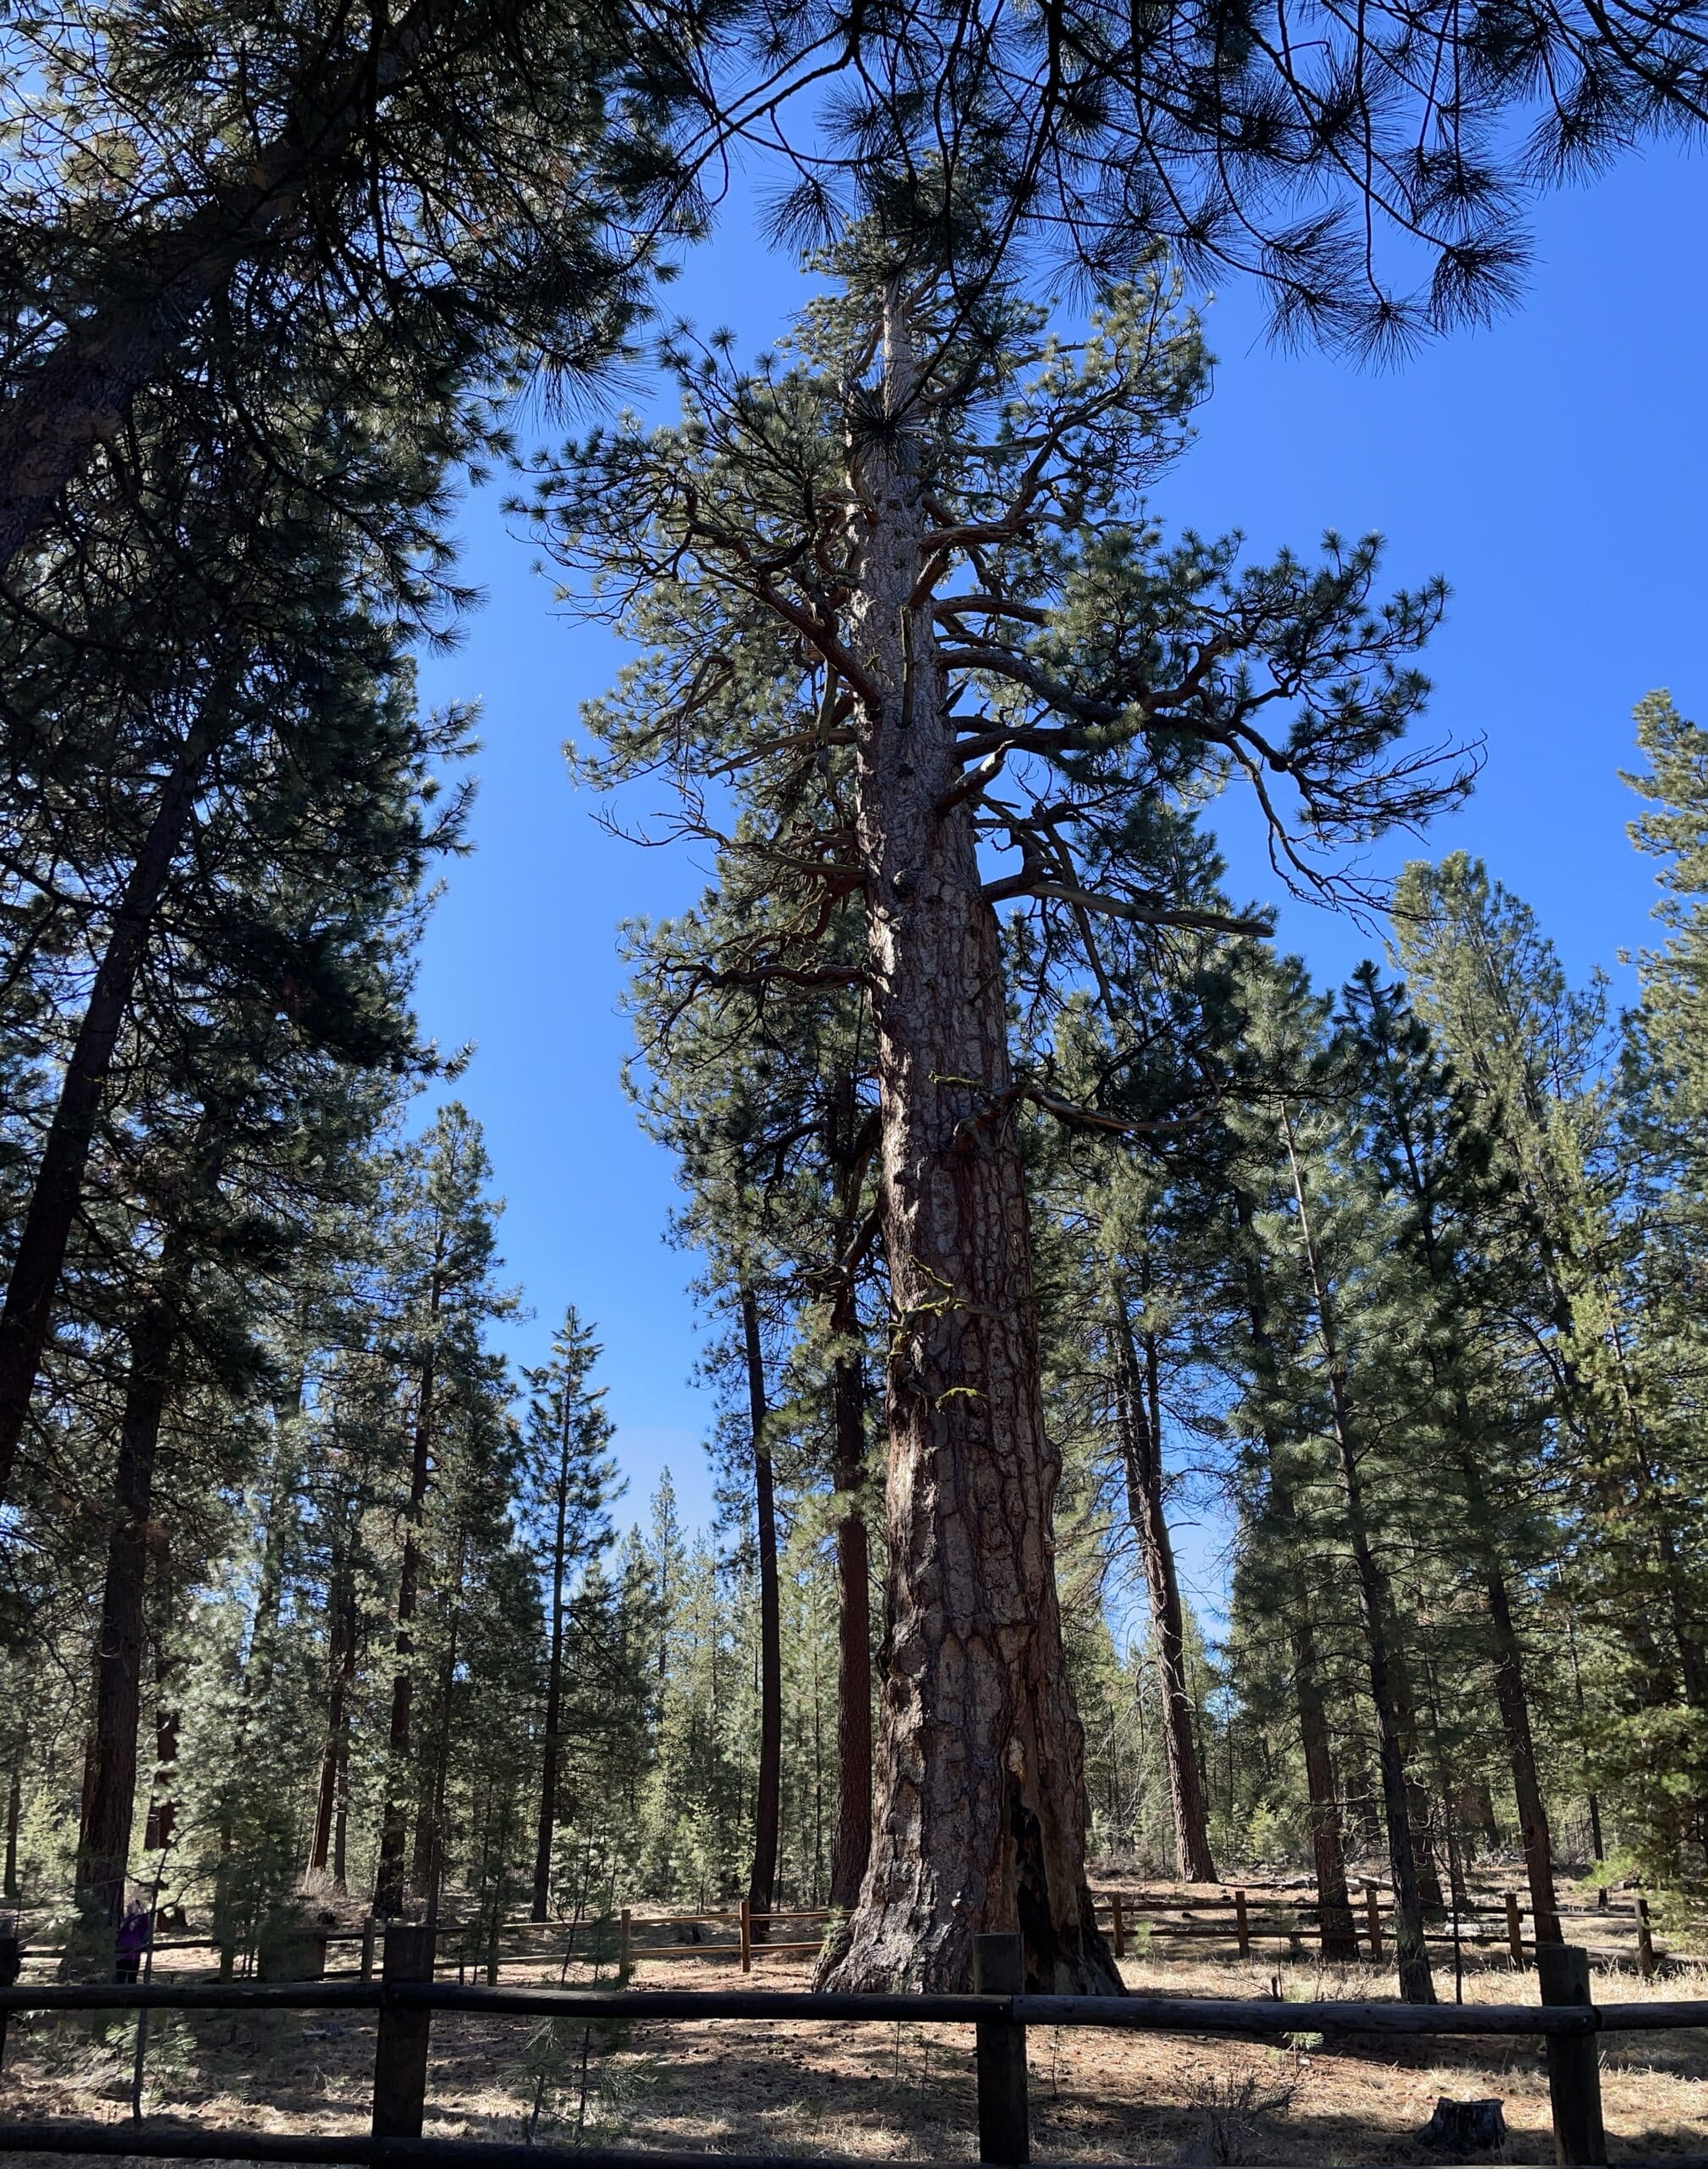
x: 880, y: 1951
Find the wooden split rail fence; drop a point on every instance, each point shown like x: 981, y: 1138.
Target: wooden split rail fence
x: 745, y: 1946
x: 1256, y: 1917
x: 1244, y: 1918
x: 1125, y: 1917
x: 999, y: 2011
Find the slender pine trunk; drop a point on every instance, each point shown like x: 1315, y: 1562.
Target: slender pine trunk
x: 547, y: 1824
x: 429, y: 1831
x: 1335, y: 1931
x: 1376, y: 1614
x: 1513, y: 1697
x: 1138, y: 1402
x: 14, y: 1815
x: 980, y: 1812
x: 341, y: 1665
x: 762, y: 1884
x: 39, y: 1257
x: 394, y: 1826
x: 163, y: 1808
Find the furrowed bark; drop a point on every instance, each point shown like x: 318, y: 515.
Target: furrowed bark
x: 762, y: 1885
x: 981, y: 1810
x: 40, y: 1258
x: 1138, y: 1412
x: 109, y: 1774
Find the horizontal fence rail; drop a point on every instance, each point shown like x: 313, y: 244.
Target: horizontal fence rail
x: 1138, y: 2014
x: 1566, y: 2021
x: 171, y: 2142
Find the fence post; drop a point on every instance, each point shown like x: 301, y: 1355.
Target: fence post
x: 1120, y: 1926
x: 1514, y: 1927
x: 626, y: 1961
x: 1242, y: 1928
x: 746, y: 1936
x: 368, y: 1933
x: 1372, y: 1918
x: 400, y: 2055
x: 1574, y: 2060
x: 1645, y: 1941
x: 999, y: 1969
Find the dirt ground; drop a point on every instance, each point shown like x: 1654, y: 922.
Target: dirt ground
x: 898, y: 2092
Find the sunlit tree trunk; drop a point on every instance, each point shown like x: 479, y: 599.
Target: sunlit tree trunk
x: 980, y: 1806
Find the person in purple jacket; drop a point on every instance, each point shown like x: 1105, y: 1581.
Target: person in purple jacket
x: 130, y: 1941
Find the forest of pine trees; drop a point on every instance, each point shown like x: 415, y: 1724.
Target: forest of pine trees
x: 1170, y: 1413
x: 1387, y: 1287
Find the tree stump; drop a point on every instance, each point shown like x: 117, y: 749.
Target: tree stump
x: 1462, y: 2127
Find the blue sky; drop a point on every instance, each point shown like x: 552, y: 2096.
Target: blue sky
x: 1552, y: 467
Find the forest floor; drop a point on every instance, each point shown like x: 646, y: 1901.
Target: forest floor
x: 901, y: 2093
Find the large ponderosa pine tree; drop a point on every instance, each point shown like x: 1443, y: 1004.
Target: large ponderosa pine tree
x: 902, y: 596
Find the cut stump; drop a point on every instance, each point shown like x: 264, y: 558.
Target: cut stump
x: 1463, y: 2128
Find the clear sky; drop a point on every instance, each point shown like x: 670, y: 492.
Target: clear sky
x: 1552, y: 467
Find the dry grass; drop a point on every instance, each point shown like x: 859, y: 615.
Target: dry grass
x: 898, y: 2092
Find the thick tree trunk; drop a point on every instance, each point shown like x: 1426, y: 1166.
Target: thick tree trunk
x: 549, y: 1772
x: 981, y: 1819
x: 1138, y: 1403
x: 41, y: 1243
x: 1376, y: 1614
x: 762, y: 1884
x: 851, y: 1842
x: 394, y: 1825
x: 109, y: 1777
